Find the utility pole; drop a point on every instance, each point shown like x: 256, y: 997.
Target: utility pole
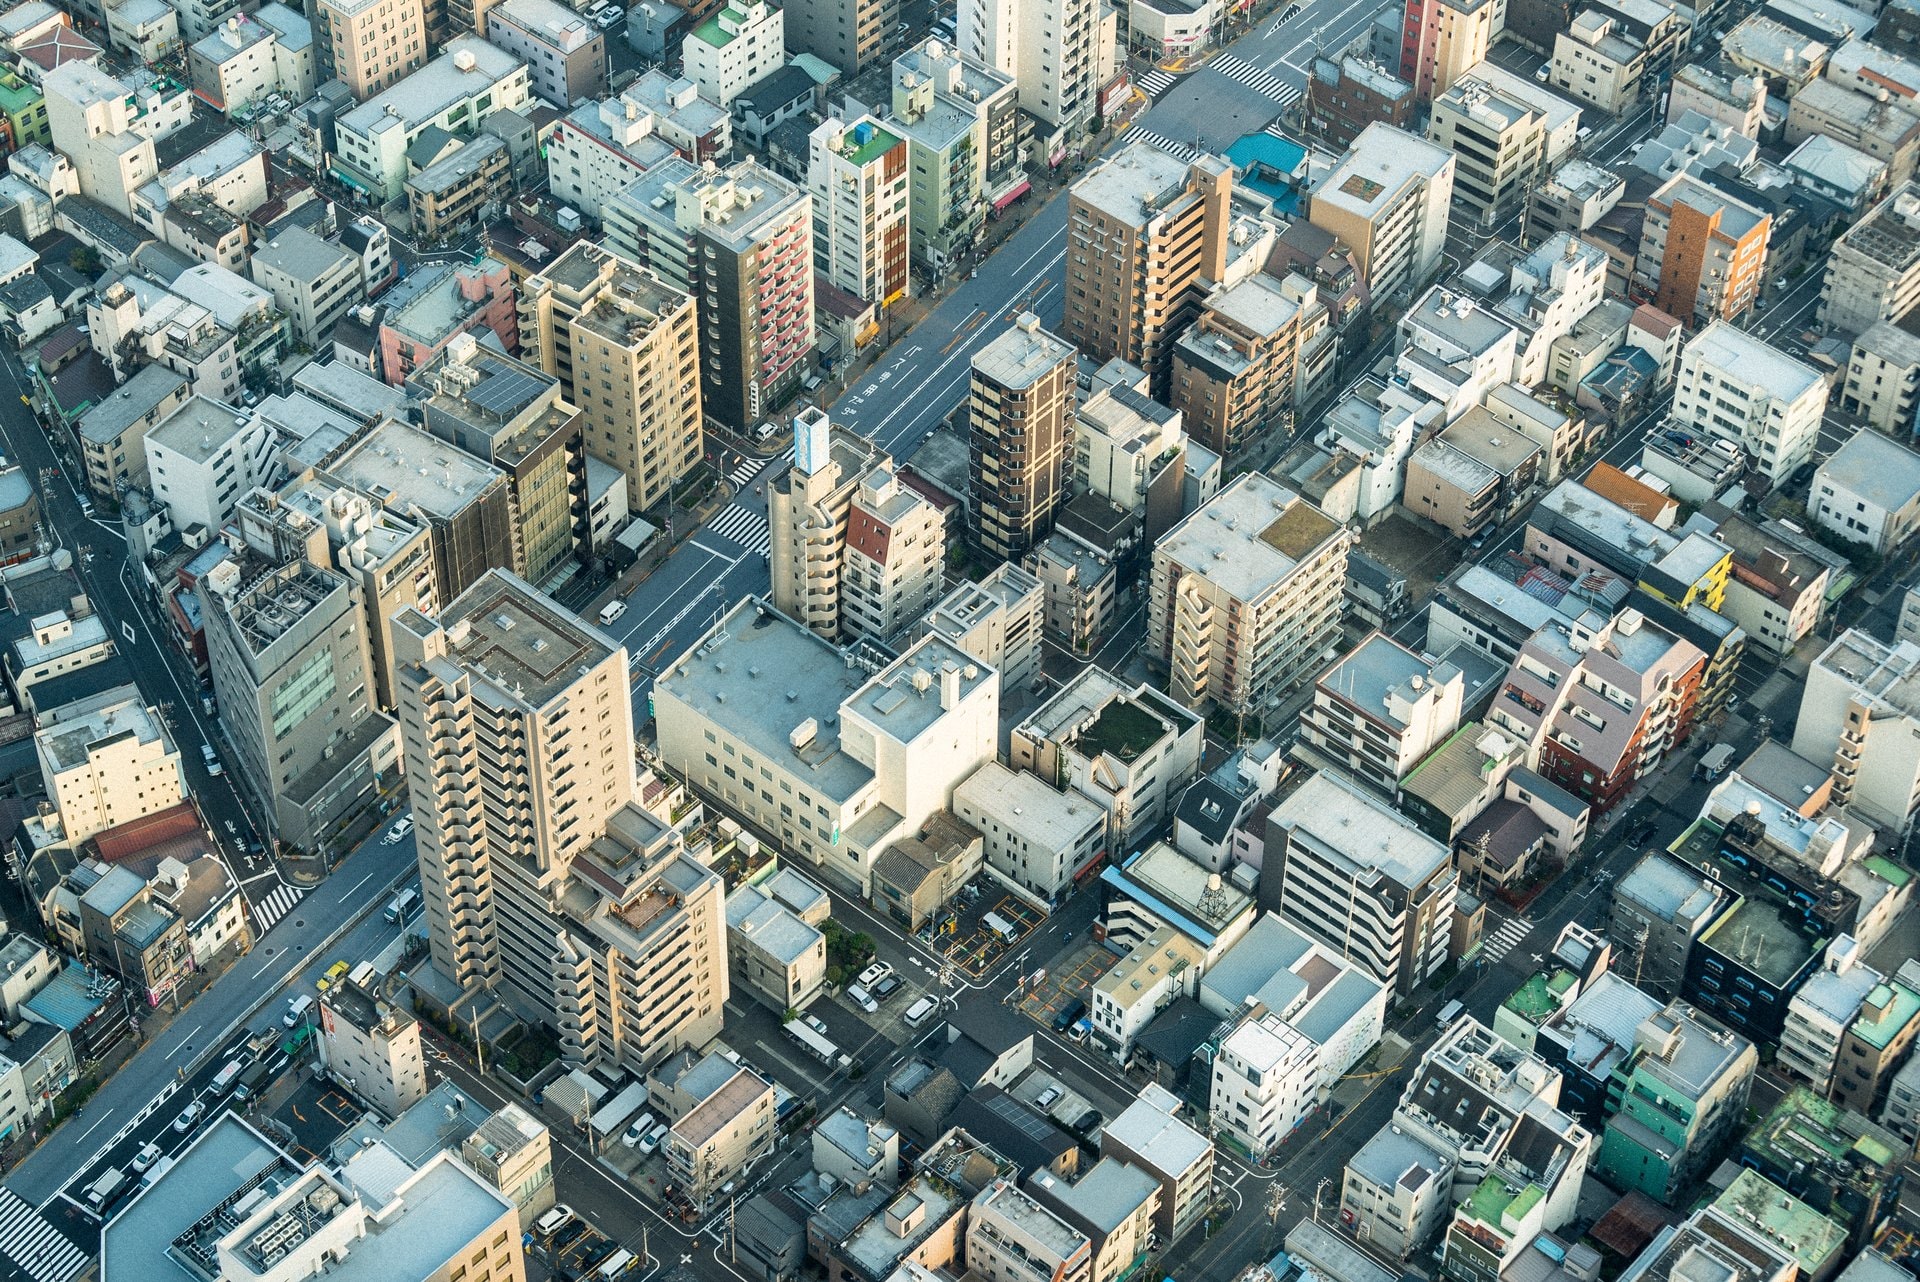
x: 1276, y: 1201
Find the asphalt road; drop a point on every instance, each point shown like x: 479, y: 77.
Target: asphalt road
x: 165, y: 679
x: 896, y: 402
x: 339, y: 921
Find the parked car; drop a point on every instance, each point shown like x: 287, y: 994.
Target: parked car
x: 567, y: 1235
x: 145, y: 1157
x: 1047, y: 1098
x: 637, y: 1130
x: 886, y: 987
x: 189, y: 1115
x: 401, y: 827
x: 1072, y: 1011
x: 607, y: 17
x: 862, y: 998
x: 874, y: 974
x: 653, y: 1139
x: 552, y: 1220
x: 332, y: 977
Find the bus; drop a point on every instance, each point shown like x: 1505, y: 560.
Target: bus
x: 811, y: 1040
x: 224, y: 1079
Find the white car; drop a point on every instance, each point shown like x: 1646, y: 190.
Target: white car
x: 145, y: 1157
x: 874, y: 974
x: 188, y: 1116
x: 862, y: 998
x: 653, y: 1138
x: 638, y: 1130
x: 550, y: 1223
x: 401, y: 827
x: 608, y: 17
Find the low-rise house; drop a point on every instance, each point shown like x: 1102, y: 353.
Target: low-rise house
x: 774, y: 944
x: 1868, y: 492
x: 1150, y: 1136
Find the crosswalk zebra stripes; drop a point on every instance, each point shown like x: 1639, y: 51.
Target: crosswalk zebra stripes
x: 274, y: 907
x: 31, y: 1247
x: 748, y: 529
x: 1178, y: 150
x: 1261, y: 82
x: 746, y: 471
x: 1507, y: 938
x: 1155, y: 82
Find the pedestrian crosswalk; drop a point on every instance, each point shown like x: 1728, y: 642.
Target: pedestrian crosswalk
x: 30, y: 1247
x: 748, y: 529
x: 1261, y: 82
x: 1178, y: 150
x: 1155, y: 82
x: 1507, y: 938
x: 746, y: 471
x: 274, y: 907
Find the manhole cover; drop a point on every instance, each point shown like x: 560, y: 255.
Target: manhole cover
x: 300, y: 925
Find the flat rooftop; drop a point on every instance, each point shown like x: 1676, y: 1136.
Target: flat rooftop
x: 199, y: 428
x: 1022, y: 354
x: 1876, y: 469
x: 1747, y: 359
x: 1352, y: 825
x: 521, y: 638
x: 434, y: 88
x: 1249, y: 538
x: 403, y: 466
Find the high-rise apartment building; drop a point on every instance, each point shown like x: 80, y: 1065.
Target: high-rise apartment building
x: 1019, y: 437
x: 625, y: 348
x: 1234, y: 370
x: 850, y: 34
x: 518, y: 727
x: 1388, y: 200
x: 1441, y: 39
x: 369, y: 45
x: 544, y: 885
x: 740, y: 241
x: 1245, y: 595
x: 565, y: 53
x: 1703, y: 251
x: 512, y: 415
x: 896, y: 551
x: 1860, y: 710
x: 1060, y: 52
x: 288, y: 654
x: 808, y: 508
x: 1130, y: 450
x: 1146, y: 240
x: 960, y: 120
x: 857, y: 175
x: 1873, y: 270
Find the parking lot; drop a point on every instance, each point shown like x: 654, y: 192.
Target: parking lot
x: 973, y: 946
x: 1068, y: 978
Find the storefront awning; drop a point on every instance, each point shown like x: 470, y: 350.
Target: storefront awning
x: 1012, y: 194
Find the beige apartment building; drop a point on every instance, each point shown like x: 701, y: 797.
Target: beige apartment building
x: 108, y: 767
x: 1245, y: 595
x: 372, y: 1047
x: 625, y: 347
x: 1498, y: 143
x: 1389, y: 201
x: 808, y: 508
x: 544, y: 885
x: 1012, y: 1238
x: 518, y: 734
x: 1020, y: 409
x: 1233, y: 372
x: 370, y: 45
x: 1146, y: 238
x: 719, y: 1136
x: 1873, y: 270
x: 1441, y: 40
x: 896, y: 553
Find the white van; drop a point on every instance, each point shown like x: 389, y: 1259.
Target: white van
x: 297, y: 1008
x: 1000, y: 926
x: 403, y: 905
x: 918, y: 1013
x: 611, y: 611
x: 1450, y: 1012
x: 621, y: 1261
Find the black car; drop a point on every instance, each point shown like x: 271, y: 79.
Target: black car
x: 1069, y: 1015
x: 1641, y: 834
x: 886, y: 987
x: 566, y: 1235
x: 591, y: 1258
x: 1803, y: 475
